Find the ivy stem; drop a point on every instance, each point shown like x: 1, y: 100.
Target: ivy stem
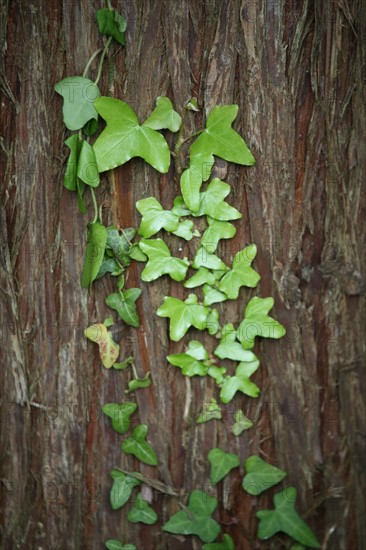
x: 94, y: 204
x: 87, y: 66
x: 109, y: 4
x: 105, y: 50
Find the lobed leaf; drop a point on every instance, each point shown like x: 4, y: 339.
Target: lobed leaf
x: 122, y: 488
x: 221, y: 464
x: 257, y: 323
x: 137, y: 445
x: 79, y: 94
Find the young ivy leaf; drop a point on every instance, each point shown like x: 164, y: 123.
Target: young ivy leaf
x: 161, y: 262
x: 139, y: 383
x: 137, y: 445
x: 212, y: 296
x: 113, y: 544
x: 87, y: 166
x: 217, y: 139
x: 95, y: 247
x: 184, y: 230
x: 124, y: 138
x: 70, y: 177
x: 284, y: 518
x: 207, y: 260
x: 192, y: 362
x: 197, y: 519
x: 258, y: 323
x: 135, y: 253
x: 124, y: 364
x: 210, y: 411
x: 164, y: 116
x: 212, y: 202
x: 154, y: 217
x: 221, y: 464
x: 183, y: 315
x: 230, y: 349
x: 108, y: 349
x: 217, y: 373
x: 216, y: 231
x: 120, y: 415
x: 141, y: 512
x: 111, y: 23
x: 227, y: 544
x: 79, y: 94
x: 212, y: 322
x: 122, y: 488
x: 202, y: 276
x: 241, y: 274
x: 240, y: 382
x: 260, y: 475
x: 241, y: 423
x: 124, y: 304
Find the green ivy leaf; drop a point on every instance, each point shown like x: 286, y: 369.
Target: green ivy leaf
x: 230, y: 349
x: 137, y: 445
x: 197, y: 519
x: 122, y: 488
x: 192, y: 105
x: 161, y: 262
x: 95, y: 247
x: 135, y: 253
x: 216, y: 231
x: 217, y: 373
x: 70, y: 177
x: 227, y: 544
x: 79, y: 94
x: 212, y: 296
x: 241, y: 274
x: 111, y: 23
x: 108, y: 349
x: 183, y: 315
x: 163, y: 116
x: 124, y: 304
x: 90, y: 127
x: 141, y: 512
x: 241, y: 423
x: 87, y: 166
x: 202, y: 276
x: 139, y: 383
x: 184, y: 230
x: 210, y: 411
x: 109, y: 265
x: 212, y: 322
x: 114, y: 544
x: 154, y: 217
x: 124, y: 138
x: 207, y: 260
x: 124, y: 364
x: 217, y: 139
x: 258, y: 323
x: 192, y: 361
x: 221, y: 464
x: 120, y: 243
x: 260, y: 475
x: 285, y: 518
x: 120, y: 415
x: 212, y: 202
x: 240, y: 382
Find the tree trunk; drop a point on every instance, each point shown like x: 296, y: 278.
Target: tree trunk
x: 296, y: 70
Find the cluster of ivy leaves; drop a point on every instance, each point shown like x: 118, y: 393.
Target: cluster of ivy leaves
x: 110, y: 250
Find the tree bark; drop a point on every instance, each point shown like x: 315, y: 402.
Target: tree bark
x: 297, y: 72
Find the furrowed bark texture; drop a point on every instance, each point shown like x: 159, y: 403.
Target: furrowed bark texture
x: 297, y: 72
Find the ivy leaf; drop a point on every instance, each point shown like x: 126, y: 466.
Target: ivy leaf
x: 260, y: 475
x: 124, y: 138
x: 87, y: 166
x: 135, y: 253
x: 210, y: 411
x: 202, y: 276
x: 197, y: 350
x: 108, y: 349
x: 120, y: 415
x: 79, y: 94
x: 124, y: 364
x: 139, y: 383
x: 179, y: 207
x: 192, y: 105
x: 212, y: 202
x: 227, y: 544
x: 212, y: 322
x: 122, y: 488
x: 200, y: 166
x: 141, y: 512
x: 120, y: 244
x: 241, y: 423
x: 240, y: 382
x: 216, y: 231
x: 285, y: 518
x: 217, y: 373
x: 230, y: 349
x: 258, y: 323
x: 161, y: 262
x: 163, y: 116
x: 221, y: 464
x: 95, y: 247
x: 137, y: 445
x: 210, y: 261
x: 154, y: 217
x: 217, y: 139
x: 212, y: 296
x: 197, y: 519
x: 111, y: 23
x: 90, y: 127
x: 189, y: 365
x: 183, y: 315
x: 124, y: 304
x: 109, y: 265
x: 184, y: 230
x: 113, y: 544
x: 70, y: 177
x: 241, y: 274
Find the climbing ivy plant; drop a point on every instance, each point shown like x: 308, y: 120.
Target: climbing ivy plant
x: 207, y: 278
